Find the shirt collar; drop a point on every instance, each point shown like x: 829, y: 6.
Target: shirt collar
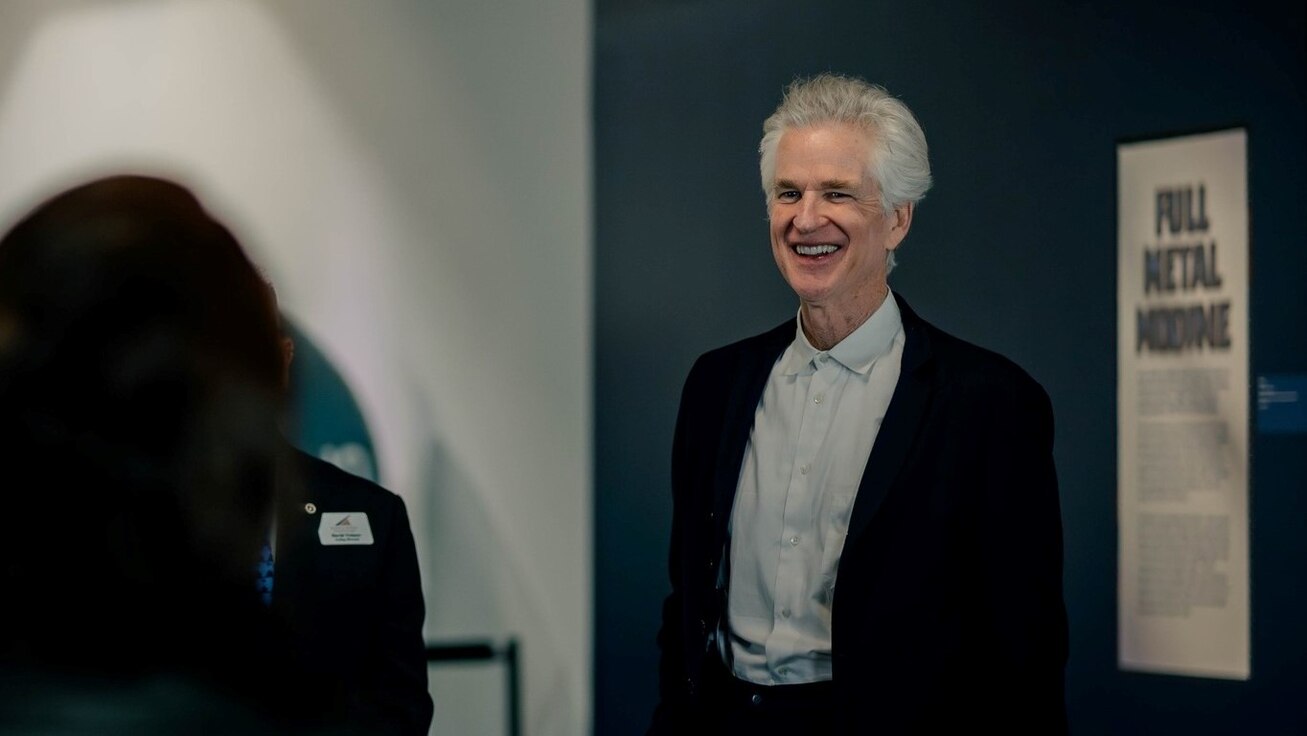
x: 857, y: 352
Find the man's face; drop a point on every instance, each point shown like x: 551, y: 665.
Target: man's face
x: 829, y: 234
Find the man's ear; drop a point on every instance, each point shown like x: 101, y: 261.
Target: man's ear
x: 900, y: 223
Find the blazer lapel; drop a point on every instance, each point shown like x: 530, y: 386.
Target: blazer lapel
x: 741, y: 405
x: 297, y: 535
x: 899, y: 429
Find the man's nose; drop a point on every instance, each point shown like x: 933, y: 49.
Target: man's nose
x: 809, y: 216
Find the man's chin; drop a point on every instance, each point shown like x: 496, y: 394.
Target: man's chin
x: 810, y: 283
x: 814, y: 298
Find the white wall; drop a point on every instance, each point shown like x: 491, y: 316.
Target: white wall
x: 415, y: 178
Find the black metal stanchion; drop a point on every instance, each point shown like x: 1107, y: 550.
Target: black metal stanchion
x: 474, y: 651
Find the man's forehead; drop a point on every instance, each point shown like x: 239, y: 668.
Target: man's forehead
x: 823, y: 172
x: 838, y: 183
x: 825, y: 153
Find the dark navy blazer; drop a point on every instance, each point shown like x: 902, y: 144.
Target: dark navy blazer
x: 947, y: 615
x: 354, y: 611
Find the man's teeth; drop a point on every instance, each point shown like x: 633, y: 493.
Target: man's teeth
x: 815, y: 250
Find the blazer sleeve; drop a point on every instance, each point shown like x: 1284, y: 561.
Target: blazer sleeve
x: 1022, y: 550
x: 400, y: 697
x: 671, y: 713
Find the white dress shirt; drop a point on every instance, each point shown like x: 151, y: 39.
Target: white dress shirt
x: 812, y: 433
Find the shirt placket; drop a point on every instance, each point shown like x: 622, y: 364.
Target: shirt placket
x: 798, y: 542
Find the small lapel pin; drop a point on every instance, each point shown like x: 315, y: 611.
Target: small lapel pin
x: 310, y: 508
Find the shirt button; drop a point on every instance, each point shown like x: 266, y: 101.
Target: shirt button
x: 818, y: 398
x: 794, y: 541
x: 785, y: 612
x: 804, y: 468
x: 783, y: 671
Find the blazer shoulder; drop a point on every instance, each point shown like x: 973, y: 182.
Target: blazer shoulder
x: 330, y: 484
x: 731, y: 359
x: 971, y: 366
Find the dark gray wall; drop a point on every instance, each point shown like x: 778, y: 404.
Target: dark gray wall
x: 1015, y: 249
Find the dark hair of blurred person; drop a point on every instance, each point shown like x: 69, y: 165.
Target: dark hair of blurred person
x: 139, y: 378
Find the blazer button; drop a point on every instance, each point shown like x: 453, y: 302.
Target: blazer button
x: 689, y: 685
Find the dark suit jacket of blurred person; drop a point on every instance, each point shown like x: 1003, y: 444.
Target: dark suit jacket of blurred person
x: 356, y: 610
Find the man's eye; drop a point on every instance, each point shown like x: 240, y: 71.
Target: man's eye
x: 837, y: 195
x: 788, y: 195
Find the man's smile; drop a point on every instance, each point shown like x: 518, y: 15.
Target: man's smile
x: 806, y: 249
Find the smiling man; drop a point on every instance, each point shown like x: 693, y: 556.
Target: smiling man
x: 866, y: 532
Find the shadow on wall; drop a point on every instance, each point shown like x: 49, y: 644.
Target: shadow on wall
x: 484, y: 594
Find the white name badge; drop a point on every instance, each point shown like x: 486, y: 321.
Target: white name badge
x: 344, y: 528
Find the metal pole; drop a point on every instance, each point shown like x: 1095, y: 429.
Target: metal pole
x: 514, y: 689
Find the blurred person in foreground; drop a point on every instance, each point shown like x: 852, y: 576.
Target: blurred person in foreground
x: 139, y: 381
x: 866, y: 535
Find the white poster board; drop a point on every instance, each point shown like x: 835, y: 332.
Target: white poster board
x: 1182, y: 405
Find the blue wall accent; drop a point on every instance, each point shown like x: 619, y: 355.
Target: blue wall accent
x: 1015, y: 249
x: 324, y: 416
